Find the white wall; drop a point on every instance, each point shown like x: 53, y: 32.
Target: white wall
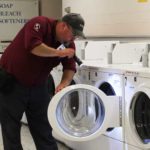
x: 127, y: 18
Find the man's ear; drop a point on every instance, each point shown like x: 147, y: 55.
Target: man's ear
x: 64, y: 25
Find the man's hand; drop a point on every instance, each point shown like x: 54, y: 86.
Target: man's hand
x: 66, y: 80
x: 67, y: 52
x: 60, y: 87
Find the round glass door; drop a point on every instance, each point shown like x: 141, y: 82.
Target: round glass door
x: 140, y: 112
x: 85, y: 119
x: 81, y: 119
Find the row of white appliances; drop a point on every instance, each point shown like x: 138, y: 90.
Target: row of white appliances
x: 130, y: 60
x: 113, y: 137
x: 136, y: 88
x: 135, y: 62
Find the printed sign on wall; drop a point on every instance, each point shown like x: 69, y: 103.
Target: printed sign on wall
x: 142, y: 1
x: 14, y: 14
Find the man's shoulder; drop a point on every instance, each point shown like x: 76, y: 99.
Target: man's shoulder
x: 42, y: 19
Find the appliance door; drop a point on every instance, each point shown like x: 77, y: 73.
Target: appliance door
x: 139, y: 117
x: 89, y: 118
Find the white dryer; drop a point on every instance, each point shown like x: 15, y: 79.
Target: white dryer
x: 135, y: 54
x: 80, y: 126
x: 124, y: 55
x: 100, y: 51
x: 137, y: 109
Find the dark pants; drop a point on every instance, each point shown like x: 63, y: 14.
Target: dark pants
x: 34, y: 101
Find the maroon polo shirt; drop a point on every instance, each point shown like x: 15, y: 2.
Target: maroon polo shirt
x: 29, y: 69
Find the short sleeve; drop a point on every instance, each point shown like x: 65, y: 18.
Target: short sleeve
x: 35, y: 30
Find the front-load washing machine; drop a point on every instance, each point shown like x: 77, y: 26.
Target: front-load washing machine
x: 83, y: 125
x: 137, y: 109
x: 111, y: 82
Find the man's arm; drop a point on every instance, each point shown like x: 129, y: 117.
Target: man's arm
x: 45, y: 51
x: 66, y: 80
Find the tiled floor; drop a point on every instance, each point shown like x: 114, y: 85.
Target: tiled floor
x: 27, y: 141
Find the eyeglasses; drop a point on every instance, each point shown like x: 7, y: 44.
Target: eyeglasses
x: 72, y: 32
